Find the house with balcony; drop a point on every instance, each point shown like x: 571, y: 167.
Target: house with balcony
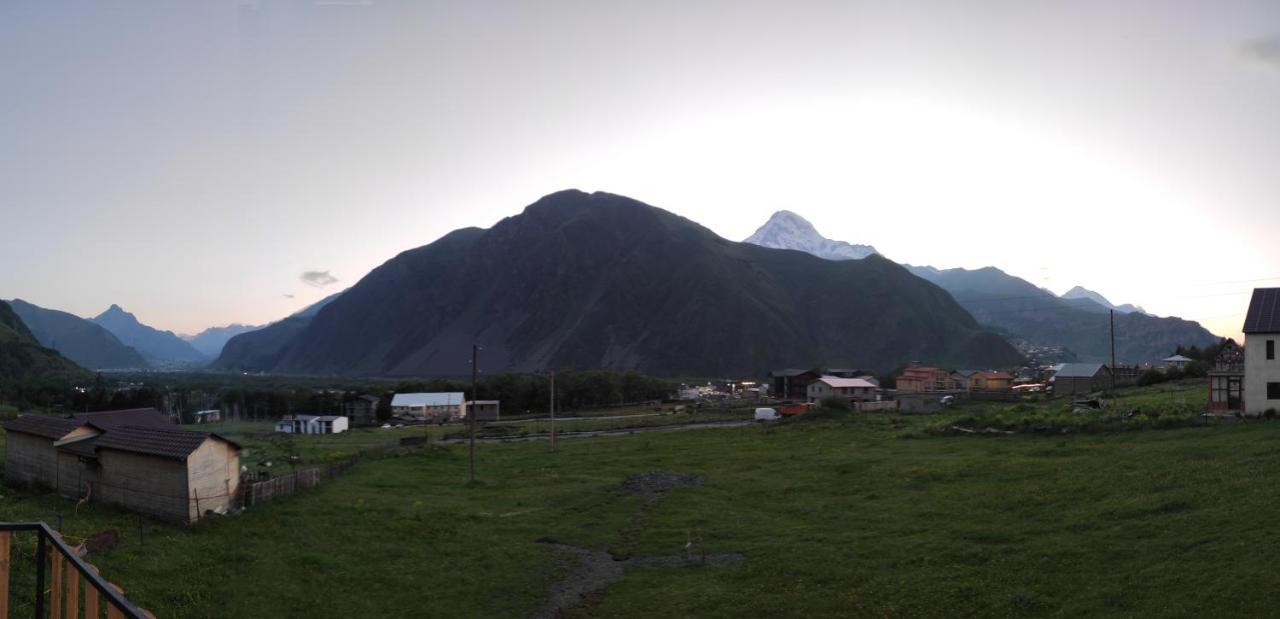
x: 1261, y: 363
x: 1226, y: 380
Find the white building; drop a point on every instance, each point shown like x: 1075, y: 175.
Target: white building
x: 1176, y: 361
x: 850, y: 388
x: 1261, y: 365
x: 313, y: 424
x: 434, y: 406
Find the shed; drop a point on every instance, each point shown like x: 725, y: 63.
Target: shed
x: 1078, y: 378
x: 31, y: 449
x: 168, y: 473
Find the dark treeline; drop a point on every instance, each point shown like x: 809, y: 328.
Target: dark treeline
x: 575, y: 390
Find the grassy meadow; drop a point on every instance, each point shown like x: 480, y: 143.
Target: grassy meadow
x: 837, y: 515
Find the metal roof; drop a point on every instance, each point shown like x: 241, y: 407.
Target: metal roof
x: 162, y: 442
x: 839, y: 383
x: 427, y: 399
x: 1079, y: 370
x: 1264, y: 311
x: 42, y: 425
x: 1176, y: 358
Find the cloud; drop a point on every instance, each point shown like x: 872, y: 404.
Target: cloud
x: 1264, y: 49
x: 318, y: 279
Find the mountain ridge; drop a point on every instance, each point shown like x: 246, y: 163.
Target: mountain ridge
x: 80, y: 340
x: 787, y: 230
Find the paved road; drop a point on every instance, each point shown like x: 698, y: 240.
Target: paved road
x: 595, y: 433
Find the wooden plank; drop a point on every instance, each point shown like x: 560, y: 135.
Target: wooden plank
x: 91, y: 597
x: 5, y: 541
x: 55, y: 592
x: 73, y: 592
x: 112, y: 611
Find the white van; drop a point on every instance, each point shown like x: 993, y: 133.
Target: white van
x: 766, y: 414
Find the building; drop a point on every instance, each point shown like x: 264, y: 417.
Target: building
x: 429, y: 406
x: 791, y: 384
x: 362, y: 410
x: 312, y: 424
x: 209, y: 416
x: 485, y: 410
x: 844, y: 373
x: 853, y: 389
x: 925, y: 379
x: 963, y: 378
x: 1176, y: 362
x: 1261, y: 364
x: 1226, y: 380
x: 990, y: 381
x: 1081, y: 378
x: 162, y: 471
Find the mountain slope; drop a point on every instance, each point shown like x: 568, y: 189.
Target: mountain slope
x: 155, y: 345
x: 80, y: 340
x: 211, y: 341
x: 261, y: 348
x: 599, y: 280
x: 1081, y: 325
x: 1080, y: 292
x: 24, y: 362
x: 787, y: 230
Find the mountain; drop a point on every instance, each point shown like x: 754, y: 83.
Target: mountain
x: 24, y: 362
x: 1080, y: 292
x: 261, y: 348
x: 603, y: 281
x: 1081, y: 325
x: 155, y: 345
x: 80, y: 340
x: 211, y: 341
x: 787, y: 230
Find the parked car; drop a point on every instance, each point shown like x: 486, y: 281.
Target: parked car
x: 766, y: 414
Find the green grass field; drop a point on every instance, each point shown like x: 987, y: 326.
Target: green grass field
x: 844, y: 515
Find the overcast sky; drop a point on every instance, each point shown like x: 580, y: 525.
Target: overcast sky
x: 214, y: 162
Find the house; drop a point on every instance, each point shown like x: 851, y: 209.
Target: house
x: 433, y: 406
x: 1176, y: 362
x: 1261, y: 365
x: 925, y: 379
x: 162, y: 471
x: 485, y: 410
x: 362, y: 410
x: 1226, y: 379
x: 1081, y: 378
x: 312, y: 424
x: 990, y: 381
x: 853, y: 389
x: 963, y: 378
x: 209, y: 416
x: 791, y: 384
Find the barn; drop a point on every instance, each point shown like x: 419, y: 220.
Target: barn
x: 1081, y: 378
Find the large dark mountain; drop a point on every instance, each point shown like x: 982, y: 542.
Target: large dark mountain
x: 261, y: 348
x: 80, y: 340
x: 599, y: 280
x: 23, y: 361
x: 1081, y: 325
x: 155, y: 345
x: 211, y: 341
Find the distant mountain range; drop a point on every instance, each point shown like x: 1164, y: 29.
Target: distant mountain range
x: 210, y: 341
x: 603, y: 281
x: 80, y: 340
x: 1080, y: 292
x: 787, y: 230
x: 23, y: 361
x: 1078, y: 321
x: 155, y: 345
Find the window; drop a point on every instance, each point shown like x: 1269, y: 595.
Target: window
x: 1273, y: 391
x: 1271, y: 350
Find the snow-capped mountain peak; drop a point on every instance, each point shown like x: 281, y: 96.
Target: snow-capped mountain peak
x: 787, y: 230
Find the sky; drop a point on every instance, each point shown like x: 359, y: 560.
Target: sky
x: 207, y: 163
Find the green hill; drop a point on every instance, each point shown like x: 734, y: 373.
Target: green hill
x: 24, y: 362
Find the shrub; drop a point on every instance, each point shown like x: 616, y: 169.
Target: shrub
x: 1151, y: 377
x: 1270, y: 414
x: 835, y: 403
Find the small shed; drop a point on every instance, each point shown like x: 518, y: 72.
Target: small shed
x: 209, y: 416
x: 31, y: 447
x: 1081, y: 378
x: 171, y: 474
x: 485, y: 410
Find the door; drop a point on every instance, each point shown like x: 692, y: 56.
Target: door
x: 1235, y: 399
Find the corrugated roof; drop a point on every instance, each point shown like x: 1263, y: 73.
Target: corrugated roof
x: 1079, y: 370
x: 840, y: 383
x: 427, y: 399
x: 139, y: 417
x: 1177, y: 358
x: 162, y: 442
x: 42, y: 425
x: 1264, y: 311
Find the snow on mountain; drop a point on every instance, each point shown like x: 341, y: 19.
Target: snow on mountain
x: 1080, y: 292
x: 787, y: 230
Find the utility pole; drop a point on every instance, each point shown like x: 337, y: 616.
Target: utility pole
x: 553, y: 410
x: 471, y: 412
x: 1113, y: 349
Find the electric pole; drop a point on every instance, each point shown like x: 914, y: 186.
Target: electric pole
x: 1113, y: 349
x: 471, y: 411
x: 553, y: 410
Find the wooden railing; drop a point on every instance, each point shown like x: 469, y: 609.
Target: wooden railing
x: 62, y: 597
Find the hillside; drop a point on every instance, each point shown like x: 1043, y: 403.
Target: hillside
x: 80, y: 340
x: 23, y: 361
x: 154, y: 344
x: 1081, y: 325
x: 599, y: 280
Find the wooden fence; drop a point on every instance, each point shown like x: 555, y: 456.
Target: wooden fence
x: 257, y: 492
